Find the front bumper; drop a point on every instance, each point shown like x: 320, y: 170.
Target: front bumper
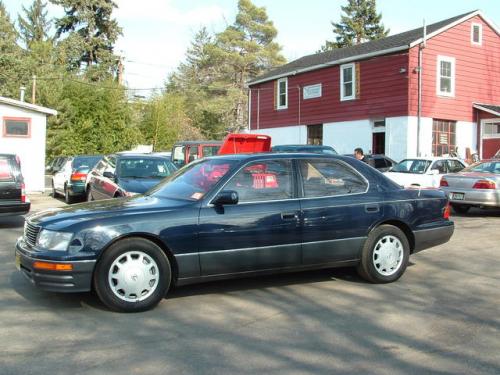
x: 426, y: 238
x: 14, y: 209
x: 79, y: 279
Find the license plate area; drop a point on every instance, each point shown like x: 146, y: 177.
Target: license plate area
x: 457, y: 196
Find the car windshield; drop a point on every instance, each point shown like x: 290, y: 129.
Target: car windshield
x: 417, y: 166
x: 484, y: 167
x: 85, y: 161
x: 194, y: 180
x: 145, y: 168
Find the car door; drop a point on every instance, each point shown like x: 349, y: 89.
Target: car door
x: 108, y: 185
x: 62, y: 175
x: 338, y: 208
x: 442, y: 167
x: 261, y: 231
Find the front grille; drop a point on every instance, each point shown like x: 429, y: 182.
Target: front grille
x: 30, y: 233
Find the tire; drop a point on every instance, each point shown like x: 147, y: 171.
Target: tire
x: 89, y: 196
x: 135, y: 252
x: 54, y: 192
x: 381, y: 262
x: 460, y: 208
x: 68, y: 198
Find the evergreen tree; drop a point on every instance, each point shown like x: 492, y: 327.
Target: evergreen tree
x: 35, y: 25
x: 92, y: 33
x: 360, y: 23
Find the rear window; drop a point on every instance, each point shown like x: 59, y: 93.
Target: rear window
x: 86, y: 161
x: 486, y: 167
x: 6, y: 173
x: 145, y: 168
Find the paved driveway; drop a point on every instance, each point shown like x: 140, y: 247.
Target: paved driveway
x: 442, y: 317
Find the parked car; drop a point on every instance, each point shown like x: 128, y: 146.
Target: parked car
x: 232, y: 216
x: 380, y: 162
x: 316, y: 149
x: 424, y: 172
x: 185, y: 152
x: 13, y: 200
x: 56, y: 164
x: 71, y: 178
x: 124, y: 175
x: 476, y: 186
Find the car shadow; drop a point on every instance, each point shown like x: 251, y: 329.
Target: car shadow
x: 9, y: 222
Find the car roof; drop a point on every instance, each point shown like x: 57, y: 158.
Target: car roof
x: 432, y: 158
x: 281, y: 155
x: 302, y: 146
x: 138, y: 156
x: 184, y: 143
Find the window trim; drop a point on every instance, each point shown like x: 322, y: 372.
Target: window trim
x: 353, y: 82
x: 4, y: 130
x: 480, y: 26
x: 451, y: 60
x: 278, y: 93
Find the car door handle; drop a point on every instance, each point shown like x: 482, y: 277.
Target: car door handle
x: 289, y: 215
x: 372, y: 208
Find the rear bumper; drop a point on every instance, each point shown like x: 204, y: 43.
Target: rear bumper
x: 75, y: 189
x: 77, y: 280
x: 15, y: 209
x: 426, y: 238
x: 477, y: 197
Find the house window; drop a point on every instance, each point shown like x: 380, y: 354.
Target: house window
x: 445, y: 76
x: 347, y: 82
x: 491, y: 129
x: 476, y: 33
x: 315, y: 135
x: 282, y: 94
x: 443, y: 137
x: 16, y: 127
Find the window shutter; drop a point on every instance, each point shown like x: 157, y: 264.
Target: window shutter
x: 358, y: 81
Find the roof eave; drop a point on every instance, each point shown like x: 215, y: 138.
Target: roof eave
x: 480, y: 107
x: 331, y: 63
x: 28, y: 106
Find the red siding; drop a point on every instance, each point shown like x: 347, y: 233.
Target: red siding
x: 477, y: 72
x: 383, y: 93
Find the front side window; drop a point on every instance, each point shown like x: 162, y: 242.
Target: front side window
x: 476, y: 33
x: 446, y: 76
x: 282, y: 93
x: 347, y: 82
x: 454, y: 166
x: 440, y: 165
x: 263, y: 181
x: 328, y: 178
x: 16, y: 127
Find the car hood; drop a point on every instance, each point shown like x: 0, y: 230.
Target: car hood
x: 57, y: 218
x: 138, y: 185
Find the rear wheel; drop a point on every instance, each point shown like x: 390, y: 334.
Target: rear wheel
x: 132, y: 275
x: 460, y: 208
x: 67, y: 197
x: 54, y: 192
x: 385, y: 255
x: 89, y: 196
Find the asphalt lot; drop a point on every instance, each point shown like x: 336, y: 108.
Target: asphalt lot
x: 442, y: 317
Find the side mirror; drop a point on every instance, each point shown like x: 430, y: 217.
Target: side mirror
x: 109, y: 175
x: 434, y: 172
x: 225, y: 197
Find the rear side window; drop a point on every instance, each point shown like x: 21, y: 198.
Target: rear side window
x: 454, y: 166
x: 263, y: 181
x: 6, y: 173
x: 328, y: 178
x: 380, y: 163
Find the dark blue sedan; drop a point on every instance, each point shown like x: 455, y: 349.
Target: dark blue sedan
x: 229, y: 216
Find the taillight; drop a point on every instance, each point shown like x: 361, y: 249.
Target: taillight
x: 443, y: 182
x: 79, y: 176
x: 484, y: 184
x: 446, y: 211
x: 23, y: 193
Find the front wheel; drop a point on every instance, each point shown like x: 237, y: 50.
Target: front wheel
x: 385, y: 255
x: 132, y: 275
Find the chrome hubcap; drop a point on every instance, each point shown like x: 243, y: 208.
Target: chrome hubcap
x: 133, y: 276
x: 388, y: 255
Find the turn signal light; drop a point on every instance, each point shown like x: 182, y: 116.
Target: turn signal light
x: 447, y: 211
x: 52, y: 266
x: 484, y: 184
x: 23, y: 193
x: 443, y: 182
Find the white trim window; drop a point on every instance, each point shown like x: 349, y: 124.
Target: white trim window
x: 348, y: 81
x: 476, y: 34
x: 445, y: 76
x: 282, y: 93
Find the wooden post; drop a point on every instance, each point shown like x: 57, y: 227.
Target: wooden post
x: 33, y: 90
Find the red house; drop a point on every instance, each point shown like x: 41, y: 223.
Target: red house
x: 404, y: 95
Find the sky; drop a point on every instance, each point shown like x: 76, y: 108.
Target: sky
x: 156, y: 33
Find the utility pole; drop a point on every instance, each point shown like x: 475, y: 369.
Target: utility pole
x: 120, y: 71
x: 33, y: 90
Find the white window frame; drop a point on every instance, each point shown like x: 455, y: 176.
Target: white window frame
x: 480, y: 34
x: 438, y: 76
x: 353, y: 83
x: 278, y: 93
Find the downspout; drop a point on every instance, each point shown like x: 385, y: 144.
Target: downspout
x: 258, y: 109
x: 419, y: 103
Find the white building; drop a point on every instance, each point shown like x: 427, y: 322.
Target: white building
x: 23, y: 133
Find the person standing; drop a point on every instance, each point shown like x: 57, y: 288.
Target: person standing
x: 358, y: 154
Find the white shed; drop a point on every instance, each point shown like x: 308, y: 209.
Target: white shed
x: 24, y: 133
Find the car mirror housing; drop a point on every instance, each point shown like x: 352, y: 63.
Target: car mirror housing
x: 435, y: 172
x: 225, y: 197
x: 109, y: 175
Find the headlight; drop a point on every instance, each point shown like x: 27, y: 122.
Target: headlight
x: 50, y: 240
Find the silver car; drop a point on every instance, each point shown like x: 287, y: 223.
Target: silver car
x: 476, y: 186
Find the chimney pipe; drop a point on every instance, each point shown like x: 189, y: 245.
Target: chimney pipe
x: 23, y: 89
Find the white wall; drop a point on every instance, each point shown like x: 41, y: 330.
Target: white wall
x: 345, y: 136
x: 286, y: 135
x: 401, y: 137
x: 31, y: 150
x: 466, y: 136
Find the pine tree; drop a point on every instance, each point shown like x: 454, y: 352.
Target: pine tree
x: 34, y: 26
x: 360, y: 23
x: 92, y: 33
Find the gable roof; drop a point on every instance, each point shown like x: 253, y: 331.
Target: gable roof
x: 389, y: 44
x: 490, y: 108
x: 28, y: 106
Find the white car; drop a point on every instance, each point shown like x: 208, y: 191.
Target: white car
x: 424, y: 172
